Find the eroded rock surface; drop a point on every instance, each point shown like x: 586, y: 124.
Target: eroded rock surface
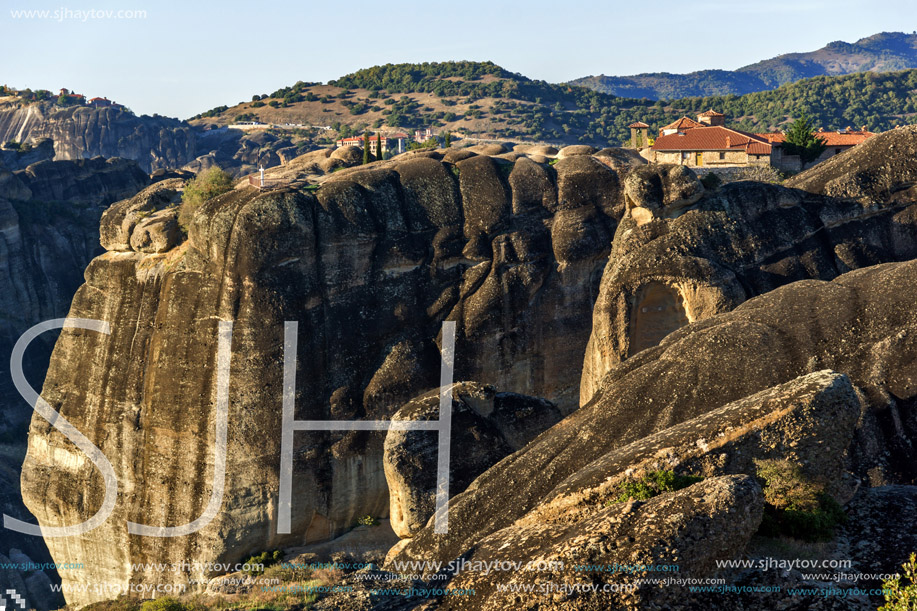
x: 370, y: 265
x: 486, y: 427
x: 691, y: 528
x: 49, y: 219
x: 83, y: 132
x: 680, y: 258
x: 860, y: 324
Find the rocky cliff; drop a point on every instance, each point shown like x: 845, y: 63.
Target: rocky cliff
x: 711, y: 397
x: 49, y: 216
x: 681, y: 256
x: 82, y: 132
x: 369, y: 263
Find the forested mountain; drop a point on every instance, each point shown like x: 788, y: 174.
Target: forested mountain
x: 884, y: 52
x: 483, y: 100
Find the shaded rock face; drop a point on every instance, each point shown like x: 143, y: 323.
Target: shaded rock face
x: 49, y: 214
x: 369, y: 266
x: 42, y: 150
x: 681, y: 256
x: 82, y: 133
x: 860, y: 324
x: 881, y: 528
x: 239, y: 152
x: 486, y: 427
x: 49, y: 218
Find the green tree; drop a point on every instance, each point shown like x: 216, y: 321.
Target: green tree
x: 206, y: 185
x: 802, y: 140
x: 901, y: 595
x: 447, y: 141
x: 379, y: 146
x: 365, y: 148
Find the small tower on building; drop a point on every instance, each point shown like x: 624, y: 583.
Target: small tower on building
x: 711, y: 117
x: 639, y: 137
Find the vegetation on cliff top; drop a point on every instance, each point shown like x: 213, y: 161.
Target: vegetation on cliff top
x: 206, y: 185
x: 486, y: 101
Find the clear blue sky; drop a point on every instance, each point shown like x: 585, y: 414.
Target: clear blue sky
x: 189, y: 56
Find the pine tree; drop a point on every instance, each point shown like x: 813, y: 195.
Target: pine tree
x: 802, y: 140
x: 448, y: 140
x: 379, y: 147
x: 365, y: 148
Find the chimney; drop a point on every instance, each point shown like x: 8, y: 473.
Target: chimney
x: 728, y: 142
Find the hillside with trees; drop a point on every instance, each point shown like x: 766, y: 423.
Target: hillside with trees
x: 482, y: 100
x: 883, y: 52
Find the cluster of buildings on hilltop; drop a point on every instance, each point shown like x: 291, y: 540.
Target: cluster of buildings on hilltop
x: 391, y: 143
x: 707, y: 142
x: 77, y: 98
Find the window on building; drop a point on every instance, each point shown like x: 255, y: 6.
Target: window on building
x: 722, y: 155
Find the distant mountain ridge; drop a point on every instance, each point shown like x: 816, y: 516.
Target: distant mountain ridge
x: 883, y: 52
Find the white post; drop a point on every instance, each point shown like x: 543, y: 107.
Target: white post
x: 261, y: 169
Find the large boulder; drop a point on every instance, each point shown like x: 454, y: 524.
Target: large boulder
x: 691, y: 528
x: 486, y: 427
x: 487, y: 149
x: 660, y: 191
x: 859, y: 324
x: 576, y: 150
x: 120, y: 221
x: 348, y: 154
x: 159, y: 232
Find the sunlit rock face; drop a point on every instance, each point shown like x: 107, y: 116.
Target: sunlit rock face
x: 682, y: 254
x: 370, y: 265
x: 81, y: 132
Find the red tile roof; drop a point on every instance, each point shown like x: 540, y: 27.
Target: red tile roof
x: 847, y: 138
x: 758, y: 148
x: 683, y: 123
x: 712, y: 138
x: 711, y: 113
x: 637, y: 125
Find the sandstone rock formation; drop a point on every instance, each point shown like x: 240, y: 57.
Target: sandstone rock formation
x: 83, y: 132
x: 681, y: 257
x: 486, y: 427
x: 370, y: 265
x: 880, y: 170
x: 49, y: 213
x: 860, y: 324
x: 49, y: 218
x: 19, y: 159
x: 692, y: 528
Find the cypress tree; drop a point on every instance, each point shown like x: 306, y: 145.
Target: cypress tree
x: 802, y: 140
x: 365, y: 148
x: 379, y: 147
x: 448, y: 140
